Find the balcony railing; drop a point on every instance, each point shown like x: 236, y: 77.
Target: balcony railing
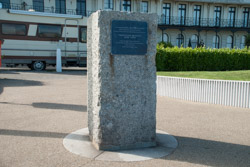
x: 203, y: 22
x: 52, y: 9
x: 163, y: 20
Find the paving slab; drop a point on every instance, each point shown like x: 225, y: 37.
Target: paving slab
x: 39, y: 109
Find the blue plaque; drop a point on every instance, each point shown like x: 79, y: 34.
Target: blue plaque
x: 129, y: 37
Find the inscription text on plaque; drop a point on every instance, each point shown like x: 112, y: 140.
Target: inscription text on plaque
x: 129, y: 37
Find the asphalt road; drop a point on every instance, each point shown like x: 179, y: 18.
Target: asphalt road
x: 38, y: 109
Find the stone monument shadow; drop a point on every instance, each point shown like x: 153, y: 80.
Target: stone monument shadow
x: 60, y: 106
x: 210, y: 153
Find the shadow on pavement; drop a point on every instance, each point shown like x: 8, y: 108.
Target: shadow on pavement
x: 10, y: 132
x: 17, y: 83
x: 8, y: 72
x: 59, y: 106
x: 191, y: 150
x: 68, y: 72
x: 55, y: 106
x: 15, y: 104
x: 211, y: 153
x: 65, y: 71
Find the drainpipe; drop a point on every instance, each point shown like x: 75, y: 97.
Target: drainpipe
x: 120, y: 5
x: 162, y: 35
x: 233, y: 40
x: 0, y: 53
x: 198, y: 42
x: 216, y: 40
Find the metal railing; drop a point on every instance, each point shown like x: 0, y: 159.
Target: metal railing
x: 31, y: 8
x: 223, y: 92
x: 203, y: 22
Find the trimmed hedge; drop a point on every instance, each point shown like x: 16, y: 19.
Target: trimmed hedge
x: 201, y: 59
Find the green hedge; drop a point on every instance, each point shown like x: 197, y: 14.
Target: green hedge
x: 201, y: 59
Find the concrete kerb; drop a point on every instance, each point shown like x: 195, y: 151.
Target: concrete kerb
x: 78, y: 142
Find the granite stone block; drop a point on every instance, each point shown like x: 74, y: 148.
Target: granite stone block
x: 121, y: 88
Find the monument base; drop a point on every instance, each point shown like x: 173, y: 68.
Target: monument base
x: 124, y: 147
x: 78, y: 143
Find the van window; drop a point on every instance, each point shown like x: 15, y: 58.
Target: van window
x: 13, y: 29
x: 83, y: 34
x: 49, y: 31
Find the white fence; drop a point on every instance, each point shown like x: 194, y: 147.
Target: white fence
x: 229, y: 93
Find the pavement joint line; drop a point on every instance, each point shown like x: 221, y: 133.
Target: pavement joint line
x: 98, y: 155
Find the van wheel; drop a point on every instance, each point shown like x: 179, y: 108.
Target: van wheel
x: 38, y: 65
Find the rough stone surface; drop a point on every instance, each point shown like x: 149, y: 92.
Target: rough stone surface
x: 121, y: 88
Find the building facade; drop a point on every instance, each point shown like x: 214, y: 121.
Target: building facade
x: 217, y: 24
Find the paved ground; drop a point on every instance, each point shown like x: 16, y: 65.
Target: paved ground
x: 37, y: 110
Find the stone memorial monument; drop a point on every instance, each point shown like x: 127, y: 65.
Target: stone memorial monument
x: 122, y: 80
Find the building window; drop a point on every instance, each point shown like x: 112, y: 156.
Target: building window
x: 197, y: 15
x: 108, y: 4
x: 230, y: 42
x: 182, y: 14
x: 231, y: 16
x: 83, y: 34
x: 49, y: 31
x: 126, y: 5
x: 61, y: 6
x: 4, y: 4
x: 180, y: 40
x: 81, y: 7
x: 14, y: 29
x: 216, y: 42
x: 217, y: 15
x: 165, y: 38
x: 194, y: 41
x: 245, y: 17
x: 166, y: 13
x: 243, y: 40
x: 144, y: 6
x: 38, y: 5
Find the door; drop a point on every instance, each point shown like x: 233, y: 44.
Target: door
x: 71, y: 42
